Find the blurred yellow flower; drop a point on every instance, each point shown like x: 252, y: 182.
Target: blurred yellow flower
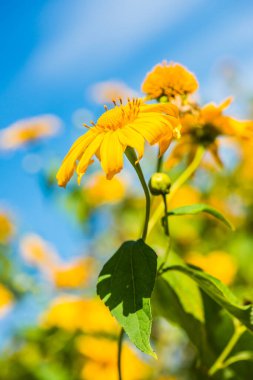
x: 102, y: 364
x: 29, y: 130
x: 75, y: 313
x: 37, y: 252
x: 6, y: 300
x: 122, y: 126
x: 73, y: 274
x: 104, y: 92
x: 203, y: 127
x: 169, y: 79
x: 99, y: 190
x: 6, y: 228
x: 217, y: 263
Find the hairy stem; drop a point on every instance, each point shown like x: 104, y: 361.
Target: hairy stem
x: 131, y: 155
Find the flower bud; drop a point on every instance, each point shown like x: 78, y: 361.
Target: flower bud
x: 163, y: 99
x: 159, y: 184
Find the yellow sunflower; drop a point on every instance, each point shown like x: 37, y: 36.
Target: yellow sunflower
x: 169, y: 79
x: 204, y: 127
x: 116, y: 129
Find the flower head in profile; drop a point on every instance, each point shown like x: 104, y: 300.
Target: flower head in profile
x: 27, y: 131
x: 204, y: 127
x: 116, y: 129
x: 169, y: 79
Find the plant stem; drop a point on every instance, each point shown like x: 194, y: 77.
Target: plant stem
x: 131, y: 155
x: 159, y: 163
x: 177, y: 184
x: 219, y: 363
x: 120, y: 341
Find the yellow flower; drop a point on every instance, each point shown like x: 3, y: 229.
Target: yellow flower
x: 203, y: 127
x: 102, y: 360
x: 28, y: 130
x: 6, y: 228
x: 99, y: 190
x: 217, y: 263
x: 6, y: 300
x: 38, y: 252
x: 73, y: 313
x: 72, y: 275
x: 117, y: 128
x: 169, y: 79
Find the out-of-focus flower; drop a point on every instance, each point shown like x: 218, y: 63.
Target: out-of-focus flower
x: 75, y: 313
x: 117, y: 128
x: 99, y: 190
x: 217, y: 263
x: 102, y: 360
x: 27, y: 131
x: 38, y: 252
x: 169, y: 79
x: 6, y: 228
x: 105, y: 92
x: 184, y: 196
x: 72, y: 275
x: 203, y: 127
x: 6, y: 300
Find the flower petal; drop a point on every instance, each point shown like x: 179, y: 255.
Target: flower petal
x: 129, y: 137
x: 69, y: 163
x: 87, y: 155
x: 111, y: 153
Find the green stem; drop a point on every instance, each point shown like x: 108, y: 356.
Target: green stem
x: 159, y: 163
x: 131, y: 155
x: 219, y: 363
x: 166, y: 222
x: 177, y: 184
x: 120, y: 341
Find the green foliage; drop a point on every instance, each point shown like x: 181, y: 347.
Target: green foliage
x: 125, y: 284
x: 219, y: 293
x: 198, y: 208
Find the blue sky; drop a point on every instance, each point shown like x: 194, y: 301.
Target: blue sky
x: 53, y: 51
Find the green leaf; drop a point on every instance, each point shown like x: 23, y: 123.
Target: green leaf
x: 125, y: 284
x: 177, y: 298
x: 200, y: 207
x: 219, y: 292
x: 240, y: 356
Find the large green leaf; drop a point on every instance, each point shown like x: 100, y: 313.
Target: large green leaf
x: 177, y: 298
x: 200, y: 207
x: 125, y: 285
x: 219, y: 293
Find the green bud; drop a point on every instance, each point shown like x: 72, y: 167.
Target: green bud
x: 163, y: 99
x: 159, y: 184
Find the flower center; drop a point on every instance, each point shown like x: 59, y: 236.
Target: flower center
x: 119, y: 116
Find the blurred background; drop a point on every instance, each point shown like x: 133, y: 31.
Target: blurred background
x: 60, y: 62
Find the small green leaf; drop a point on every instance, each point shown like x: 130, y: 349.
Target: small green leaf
x: 125, y: 284
x: 219, y: 292
x: 200, y: 207
x: 240, y: 356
